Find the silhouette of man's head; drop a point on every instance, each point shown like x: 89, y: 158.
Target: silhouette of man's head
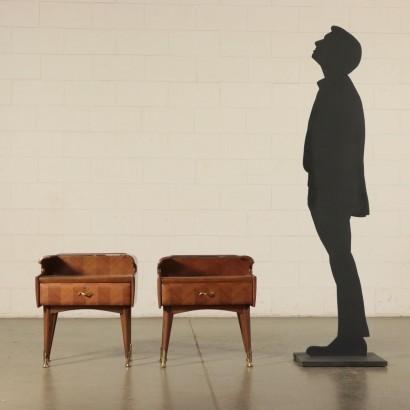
x: 338, y: 52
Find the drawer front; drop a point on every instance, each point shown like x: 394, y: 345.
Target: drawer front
x: 85, y: 294
x: 203, y: 294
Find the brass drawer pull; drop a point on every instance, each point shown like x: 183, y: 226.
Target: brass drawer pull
x: 210, y: 294
x: 86, y: 294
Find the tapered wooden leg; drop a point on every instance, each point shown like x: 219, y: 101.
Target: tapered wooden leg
x: 166, y: 333
x: 48, y: 332
x: 126, y: 334
x: 54, y: 317
x: 245, y: 325
x: 240, y: 324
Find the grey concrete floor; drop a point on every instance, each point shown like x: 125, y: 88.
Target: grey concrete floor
x: 206, y: 366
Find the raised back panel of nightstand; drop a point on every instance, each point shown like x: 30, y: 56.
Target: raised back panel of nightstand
x: 203, y: 265
x: 93, y: 264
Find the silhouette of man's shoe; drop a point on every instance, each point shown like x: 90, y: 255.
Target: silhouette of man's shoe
x: 340, y: 346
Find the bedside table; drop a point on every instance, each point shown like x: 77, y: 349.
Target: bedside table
x: 86, y: 281
x: 192, y: 282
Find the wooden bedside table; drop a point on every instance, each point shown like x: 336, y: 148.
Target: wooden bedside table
x: 86, y: 281
x: 191, y: 282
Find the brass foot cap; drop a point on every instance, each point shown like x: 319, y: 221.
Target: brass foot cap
x: 45, y: 361
x: 249, y: 359
x: 163, y: 358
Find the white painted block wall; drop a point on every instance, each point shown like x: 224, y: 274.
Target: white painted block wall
x: 159, y: 127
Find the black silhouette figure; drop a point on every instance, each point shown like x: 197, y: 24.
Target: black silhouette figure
x: 333, y: 157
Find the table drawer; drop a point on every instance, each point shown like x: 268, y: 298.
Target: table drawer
x: 85, y: 294
x: 205, y: 293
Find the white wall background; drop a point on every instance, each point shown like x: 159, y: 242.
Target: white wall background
x: 161, y: 127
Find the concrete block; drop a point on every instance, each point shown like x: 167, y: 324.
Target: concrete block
x: 298, y: 44
x: 171, y: 68
x: 14, y: 118
x: 35, y: 247
x: 289, y: 197
x: 142, y: 42
x: 258, y: 247
x: 19, y: 222
x: 382, y: 122
x: 245, y: 95
x: 193, y: 145
x: 119, y: 67
x: 54, y: 118
x: 221, y: 171
x: 116, y: 222
x: 169, y: 17
x: 380, y: 20
x: 60, y: 14
x: 37, y: 196
x: 274, y: 70
x: 220, y: 120
x: 218, y: 222
x: 370, y: 226
x: 193, y: 245
x: 245, y: 146
x: 246, y: 197
x: 18, y: 170
x: 144, y: 248
x: 142, y: 196
x: 86, y: 41
x: 19, y: 67
x: 168, y: 119
x: 291, y: 96
x: 90, y: 93
x: 169, y: 171
x: 5, y: 197
x: 244, y: 43
x: 5, y: 301
x: 117, y: 170
x: 64, y: 170
x: 64, y: 222
x: 38, y: 93
x: 274, y: 171
x: 66, y: 67
x: 194, y: 43
x: 141, y: 94
x: 115, y: 15
x: 5, y: 40
x: 275, y: 223
x: 89, y: 196
x: 221, y: 18
x: 301, y: 250
x: 169, y: 223
x: 194, y: 197
x: 19, y: 14
x: 320, y: 19
x: 5, y: 92
x: 223, y: 69
x: 194, y: 95
x: 115, y: 119
x: 38, y: 40
x: 273, y: 18
x: 379, y: 71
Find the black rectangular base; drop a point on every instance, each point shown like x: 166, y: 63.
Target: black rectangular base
x: 371, y: 360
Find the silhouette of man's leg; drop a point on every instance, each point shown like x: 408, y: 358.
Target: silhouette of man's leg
x: 333, y: 229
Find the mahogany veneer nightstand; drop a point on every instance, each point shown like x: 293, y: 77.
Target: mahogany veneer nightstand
x: 191, y: 282
x: 86, y: 281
